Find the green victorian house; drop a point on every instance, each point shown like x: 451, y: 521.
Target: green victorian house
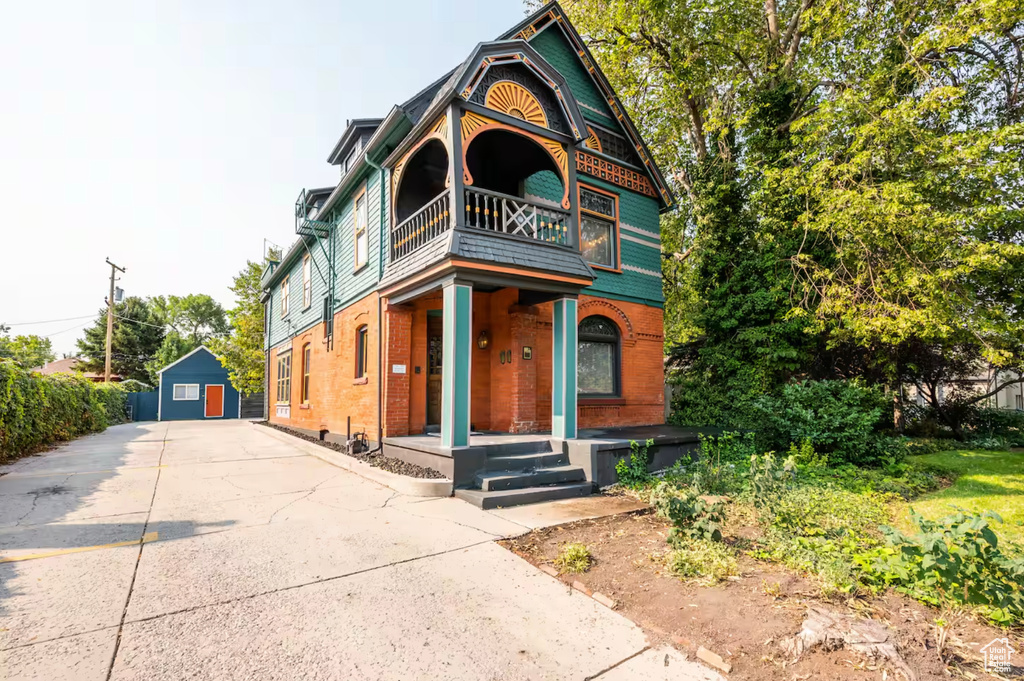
x: 481, y: 291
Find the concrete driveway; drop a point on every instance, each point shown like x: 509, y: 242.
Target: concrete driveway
x: 212, y: 550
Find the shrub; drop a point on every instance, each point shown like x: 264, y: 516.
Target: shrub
x: 954, y: 561
x: 839, y: 419
x: 632, y: 472
x: 36, y: 411
x: 692, y: 517
x: 574, y: 558
x: 703, y: 561
x: 715, y: 467
x: 768, y: 478
x: 1002, y: 423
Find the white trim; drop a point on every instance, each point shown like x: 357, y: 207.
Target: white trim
x: 206, y: 401
x: 160, y: 402
x: 637, y: 230
x: 642, y: 242
x: 239, y: 405
x: 183, y: 358
x: 542, y: 201
x: 186, y: 398
x: 641, y: 270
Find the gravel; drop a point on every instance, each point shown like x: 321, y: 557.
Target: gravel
x: 376, y: 459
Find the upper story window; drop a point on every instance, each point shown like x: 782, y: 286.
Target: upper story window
x: 284, y: 379
x: 307, y: 282
x: 307, y: 355
x: 598, y: 358
x: 362, y: 338
x: 284, y: 297
x: 362, y: 237
x: 599, y: 227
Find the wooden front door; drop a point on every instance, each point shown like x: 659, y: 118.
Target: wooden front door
x: 214, y: 401
x: 435, y: 344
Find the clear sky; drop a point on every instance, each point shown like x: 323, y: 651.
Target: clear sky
x: 173, y: 137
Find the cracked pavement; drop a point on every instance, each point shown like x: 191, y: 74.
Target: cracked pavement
x: 262, y: 562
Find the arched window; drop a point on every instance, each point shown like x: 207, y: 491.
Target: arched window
x: 361, y: 343
x: 598, y: 358
x: 307, y: 355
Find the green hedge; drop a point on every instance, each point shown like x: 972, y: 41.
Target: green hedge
x: 36, y: 411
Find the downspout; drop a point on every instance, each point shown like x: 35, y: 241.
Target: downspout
x: 380, y: 310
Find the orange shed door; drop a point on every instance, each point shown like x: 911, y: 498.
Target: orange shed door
x: 214, y: 401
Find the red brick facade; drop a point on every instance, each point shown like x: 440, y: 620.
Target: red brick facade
x: 334, y: 392
x: 510, y: 396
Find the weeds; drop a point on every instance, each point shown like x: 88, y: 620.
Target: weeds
x: 703, y: 561
x: 632, y: 472
x: 574, y: 558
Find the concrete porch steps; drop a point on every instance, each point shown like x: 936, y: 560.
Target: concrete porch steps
x: 555, y: 475
x: 526, y: 495
x: 525, y: 462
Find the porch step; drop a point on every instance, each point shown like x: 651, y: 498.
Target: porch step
x: 525, y: 462
x: 505, y: 480
x: 517, y: 448
x: 526, y: 495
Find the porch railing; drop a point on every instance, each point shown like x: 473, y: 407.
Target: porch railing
x: 422, y: 226
x: 512, y: 215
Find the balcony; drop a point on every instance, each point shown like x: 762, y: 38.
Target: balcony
x: 485, y: 210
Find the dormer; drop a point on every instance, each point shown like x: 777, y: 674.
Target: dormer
x: 347, y: 151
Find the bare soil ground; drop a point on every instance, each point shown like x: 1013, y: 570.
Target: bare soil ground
x: 745, y: 618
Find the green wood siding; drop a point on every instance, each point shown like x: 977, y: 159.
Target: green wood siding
x: 553, y: 46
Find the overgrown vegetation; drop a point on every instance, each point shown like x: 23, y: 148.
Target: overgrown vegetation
x: 838, y: 523
x: 633, y: 471
x: 574, y: 558
x: 36, y: 411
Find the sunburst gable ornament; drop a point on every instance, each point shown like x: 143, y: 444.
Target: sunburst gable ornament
x: 516, y: 101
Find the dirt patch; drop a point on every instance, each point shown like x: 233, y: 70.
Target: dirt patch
x: 746, y: 618
x: 375, y: 459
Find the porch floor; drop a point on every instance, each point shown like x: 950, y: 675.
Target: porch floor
x: 659, y: 433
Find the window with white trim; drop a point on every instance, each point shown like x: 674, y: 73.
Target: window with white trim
x: 307, y: 282
x: 284, y: 297
x: 362, y: 236
x: 599, y: 228
x: 186, y: 391
x: 284, y: 379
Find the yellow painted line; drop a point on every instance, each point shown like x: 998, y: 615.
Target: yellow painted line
x: 148, y: 537
x: 15, y: 476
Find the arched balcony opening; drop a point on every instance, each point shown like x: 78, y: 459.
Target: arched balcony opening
x: 516, y: 186
x: 423, y: 179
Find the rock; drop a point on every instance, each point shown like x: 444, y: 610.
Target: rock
x: 713, y: 659
x: 833, y: 631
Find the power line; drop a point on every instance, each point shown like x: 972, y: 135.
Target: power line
x: 136, y: 321
x: 47, y: 321
x: 70, y: 328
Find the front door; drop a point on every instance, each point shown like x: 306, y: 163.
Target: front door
x: 435, y: 343
x: 214, y: 401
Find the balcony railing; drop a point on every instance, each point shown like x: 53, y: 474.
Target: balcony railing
x: 512, y: 215
x: 422, y: 226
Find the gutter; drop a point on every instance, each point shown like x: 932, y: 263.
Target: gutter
x: 380, y: 305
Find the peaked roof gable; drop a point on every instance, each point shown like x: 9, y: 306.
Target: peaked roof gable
x: 552, y: 17
x: 184, y: 357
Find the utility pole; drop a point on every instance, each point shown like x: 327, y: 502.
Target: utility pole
x: 114, y: 269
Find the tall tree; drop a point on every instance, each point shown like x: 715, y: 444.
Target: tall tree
x: 242, y: 351
x: 138, y: 335
x: 27, y: 351
x: 192, y: 320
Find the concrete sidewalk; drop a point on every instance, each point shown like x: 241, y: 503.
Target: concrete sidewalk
x: 212, y: 550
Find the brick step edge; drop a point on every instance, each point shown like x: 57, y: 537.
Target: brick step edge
x: 581, y: 587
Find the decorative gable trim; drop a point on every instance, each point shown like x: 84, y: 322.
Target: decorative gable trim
x: 552, y: 14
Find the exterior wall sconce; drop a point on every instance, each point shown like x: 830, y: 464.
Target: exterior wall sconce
x: 483, y: 340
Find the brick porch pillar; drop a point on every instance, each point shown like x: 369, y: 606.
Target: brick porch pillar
x: 397, y: 352
x: 523, y: 332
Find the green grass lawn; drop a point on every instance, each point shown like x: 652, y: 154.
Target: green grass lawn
x: 991, y: 481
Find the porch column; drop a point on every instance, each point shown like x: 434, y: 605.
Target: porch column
x: 456, y: 366
x: 563, y: 387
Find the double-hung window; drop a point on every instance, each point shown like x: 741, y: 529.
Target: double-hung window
x: 362, y: 237
x: 362, y: 337
x: 307, y: 355
x: 186, y: 391
x: 284, y: 379
x: 599, y: 227
x: 598, y: 358
x: 284, y: 297
x: 307, y: 282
